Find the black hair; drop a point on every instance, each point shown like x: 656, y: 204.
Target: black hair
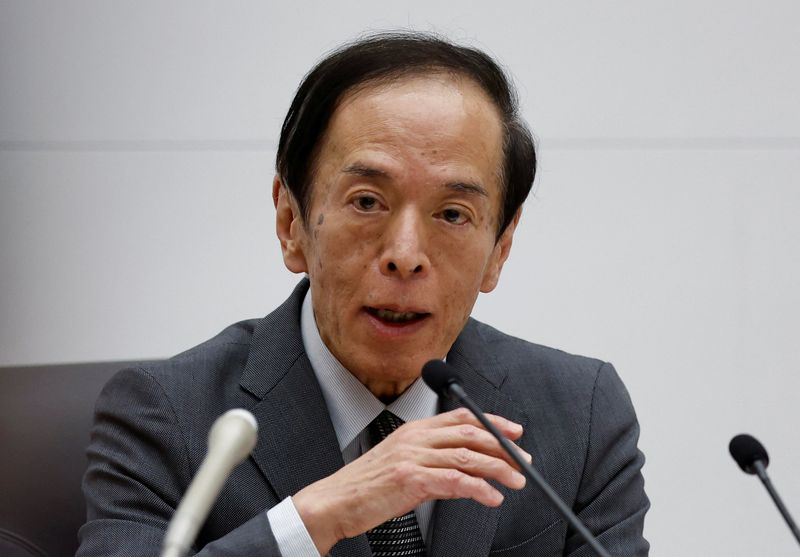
x: 390, y: 56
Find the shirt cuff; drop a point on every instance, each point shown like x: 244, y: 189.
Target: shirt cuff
x: 290, y: 533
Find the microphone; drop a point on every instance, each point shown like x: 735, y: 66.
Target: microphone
x: 443, y: 379
x: 752, y: 457
x: 230, y: 441
x: 747, y: 451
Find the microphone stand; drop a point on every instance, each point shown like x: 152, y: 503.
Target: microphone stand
x: 761, y: 471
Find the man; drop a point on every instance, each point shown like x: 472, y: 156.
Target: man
x: 402, y: 167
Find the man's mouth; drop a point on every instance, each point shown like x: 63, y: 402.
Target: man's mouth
x: 396, y: 317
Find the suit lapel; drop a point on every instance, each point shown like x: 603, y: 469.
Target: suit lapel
x: 297, y: 444
x: 462, y: 526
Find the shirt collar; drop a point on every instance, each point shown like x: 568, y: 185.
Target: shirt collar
x: 350, y: 404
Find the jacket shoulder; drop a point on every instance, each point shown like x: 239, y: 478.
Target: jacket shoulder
x: 204, y: 378
x: 525, y: 362
x: 228, y: 350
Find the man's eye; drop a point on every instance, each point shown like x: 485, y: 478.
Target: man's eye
x: 454, y: 216
x: 366, y: 202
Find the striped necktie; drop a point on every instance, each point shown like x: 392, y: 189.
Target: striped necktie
x: 398, y: 536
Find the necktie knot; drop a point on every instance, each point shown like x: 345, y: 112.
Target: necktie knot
x: 382, y: 426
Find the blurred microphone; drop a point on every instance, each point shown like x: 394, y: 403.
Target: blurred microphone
x: 751, y: 456
x: 443, y: 379
x: 230, y: 441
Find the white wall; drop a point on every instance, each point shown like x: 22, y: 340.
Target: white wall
x: 136, y: 153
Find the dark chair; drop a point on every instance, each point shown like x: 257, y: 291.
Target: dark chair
x: 45, y: 416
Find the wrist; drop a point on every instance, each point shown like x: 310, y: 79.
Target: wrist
x: 319, y: 518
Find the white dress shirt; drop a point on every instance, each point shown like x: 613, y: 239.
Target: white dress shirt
x: 352, y: 408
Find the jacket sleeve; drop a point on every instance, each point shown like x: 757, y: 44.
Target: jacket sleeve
x: 138, y: 470
x: 611, y: 500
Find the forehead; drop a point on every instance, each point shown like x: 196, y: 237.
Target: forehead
x: 436, y: 121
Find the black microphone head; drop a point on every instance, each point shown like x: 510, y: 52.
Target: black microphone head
x: 746, y: 450
x: 439, y: 376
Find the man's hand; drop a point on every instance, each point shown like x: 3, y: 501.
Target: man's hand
x: 448, y: 456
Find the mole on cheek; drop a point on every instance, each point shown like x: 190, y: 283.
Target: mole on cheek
x: 321, y: 219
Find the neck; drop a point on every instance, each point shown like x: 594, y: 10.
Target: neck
x: 385, y: 391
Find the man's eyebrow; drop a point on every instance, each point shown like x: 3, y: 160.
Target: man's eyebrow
x: 358, y: 169
x: 468, y: 188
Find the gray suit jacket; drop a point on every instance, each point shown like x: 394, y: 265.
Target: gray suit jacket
x: 151, y: 427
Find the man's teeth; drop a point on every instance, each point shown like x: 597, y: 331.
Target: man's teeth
x: 396, y: 317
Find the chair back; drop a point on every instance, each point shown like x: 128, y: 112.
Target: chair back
x: 46, y: 413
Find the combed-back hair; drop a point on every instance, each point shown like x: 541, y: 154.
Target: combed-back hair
x: 386, y: 57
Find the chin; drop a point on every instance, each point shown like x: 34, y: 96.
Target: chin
x: 390, y: 367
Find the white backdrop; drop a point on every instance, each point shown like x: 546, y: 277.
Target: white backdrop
x: 136, y: 154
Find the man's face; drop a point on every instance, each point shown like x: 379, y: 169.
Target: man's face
x: 404, y: 210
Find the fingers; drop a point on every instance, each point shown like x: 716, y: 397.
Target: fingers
x: 473, y: 438
x: 509, y: 429
x: 475, y: 464
x: 448, y: 483
x: 458, y: 441
x: 468, y: 436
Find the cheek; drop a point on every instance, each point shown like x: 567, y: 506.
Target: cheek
x: 460, y: 271
x: 343, y: 252
x: 465, y: 258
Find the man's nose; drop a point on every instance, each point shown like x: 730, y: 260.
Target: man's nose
x: 404, y: 254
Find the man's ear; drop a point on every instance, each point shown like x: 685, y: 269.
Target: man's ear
x: 289, y: 228
x: 502, y: 249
